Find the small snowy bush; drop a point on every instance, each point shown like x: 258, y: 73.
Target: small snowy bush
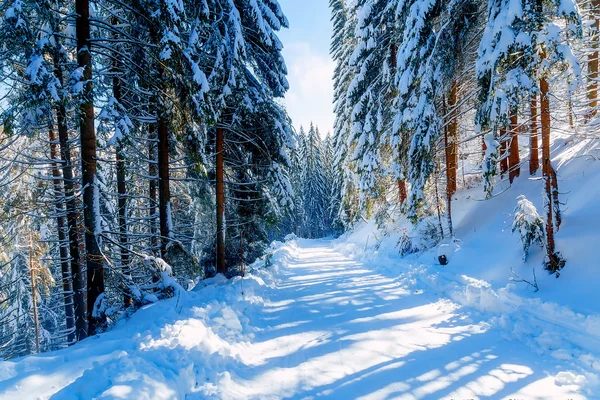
x: 424, y: 235
x: 405, y: 243
x: 529, y: 224
x: 428, y: 231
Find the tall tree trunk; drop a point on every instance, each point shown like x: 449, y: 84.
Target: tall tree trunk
x: 555, y: 200
x: 534, y: 158
x: 81, y: 326
x: 483, y: 148
x: 121, y: 184
x: 402, y: 191
x: 450, y: 179
x: 122, y: 204
x: 451, y: 146
x: 63, y: 242
x: 452, y: 143
x: 162, y: 132
x: 593, y: 59
x: 91, y: 200
x: 164, y: 192
x: 554, y: 261
x: 514, y: 158
x: 153, y: 186
x: 220, y: 191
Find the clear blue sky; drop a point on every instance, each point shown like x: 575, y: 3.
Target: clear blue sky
x: 306, y: 52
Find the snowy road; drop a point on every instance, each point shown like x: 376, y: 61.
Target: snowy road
x: 338, y: 329
x: 323, y: 326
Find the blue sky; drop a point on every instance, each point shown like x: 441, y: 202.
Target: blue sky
x: 306, y: 52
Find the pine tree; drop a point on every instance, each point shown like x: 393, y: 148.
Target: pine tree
x: 331, y: 193
x: 296, y: 172
x: 370, y: 92
x: 343, y: 42
x: 245, y: 39
x: 314, y: 187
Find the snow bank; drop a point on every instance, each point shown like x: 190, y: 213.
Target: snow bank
x: 171, y: 349
x: 562, y: 319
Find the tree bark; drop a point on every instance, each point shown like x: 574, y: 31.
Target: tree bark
x: 514, y: 158
x: 554, y: 261
x: 483, y: 148
x: 450, y: 178
x: 451, y: 146
x: 534, y: 158
x: 81, y: 326
x: 162, y: 136
x: 153, y: 187
x: 545, y: 119
x: 61, y: 226
x: 95, y: 273
x: 220, y: 192
x: 451, y: 143
x: 402, y: 191
x: 164, y: 192
x: 121, y: 185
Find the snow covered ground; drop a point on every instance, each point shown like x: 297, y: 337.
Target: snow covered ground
x: 318, y: 323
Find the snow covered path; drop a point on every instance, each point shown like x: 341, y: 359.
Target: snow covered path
x: 338, y: 329
x: 324, y: 327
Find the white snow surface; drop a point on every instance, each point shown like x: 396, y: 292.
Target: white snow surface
x: 318, y: 323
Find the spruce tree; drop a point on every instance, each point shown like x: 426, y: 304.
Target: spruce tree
x: 315, y: 190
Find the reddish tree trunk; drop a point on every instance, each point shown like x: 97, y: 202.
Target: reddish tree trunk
x: 554, y: 261
x: 153, y: 187
x: 220, y: 191
x: 95, y: 273
x: 545, y: 119
x: 451, y: 143
x: 75, y: 252
x: 483, y: 147
x: 402, y: 191
x: 534, y: 158
x: 514, y: 158
x: 164, y: 192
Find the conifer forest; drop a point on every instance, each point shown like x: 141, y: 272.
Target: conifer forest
x: 177, y: 222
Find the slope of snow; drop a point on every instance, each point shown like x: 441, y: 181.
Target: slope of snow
x: 314, y: 324
x: 562, y: 319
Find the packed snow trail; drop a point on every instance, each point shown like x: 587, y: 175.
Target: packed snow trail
x: 320, y: 325
x: 337, y: 329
